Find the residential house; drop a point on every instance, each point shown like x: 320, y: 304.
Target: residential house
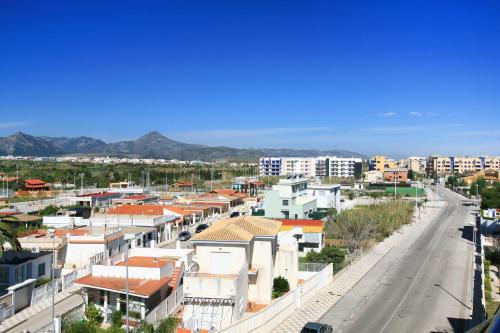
x: 19, y: 266
x: 327, y: 195
x: 289, y: 199
x: 155, y: 283
x: 309, y: 234
x: 237, y: 260
x: 396, y: 175
x: 36, y: 185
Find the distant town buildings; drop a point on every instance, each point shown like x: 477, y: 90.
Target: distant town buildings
x: 322, y: 166
x: 445, y: 166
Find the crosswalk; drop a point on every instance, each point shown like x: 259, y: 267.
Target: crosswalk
x: 30, y: 311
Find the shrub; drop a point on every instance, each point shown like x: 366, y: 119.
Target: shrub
x: 116, y: 319
x: 81, y: 326
x: 280, y: 286
x: 168, y: 325
x: 93, y: 314
x: 329, y: 254
x: 42, y: 281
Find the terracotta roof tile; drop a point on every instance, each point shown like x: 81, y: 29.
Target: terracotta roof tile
x: 137, y: 210
x: 139, y: 287
x: 241, y: 228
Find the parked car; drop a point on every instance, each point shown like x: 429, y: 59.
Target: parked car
x: 313, y: 327
x: 184, y: 236
x: 201, y: 227
x: 234, y: 214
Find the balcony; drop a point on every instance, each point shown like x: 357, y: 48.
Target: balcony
x: 208, y: 285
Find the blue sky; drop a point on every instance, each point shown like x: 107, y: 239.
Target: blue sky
x: 390, y: 77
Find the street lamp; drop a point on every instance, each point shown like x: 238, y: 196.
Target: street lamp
x: 52, y: 233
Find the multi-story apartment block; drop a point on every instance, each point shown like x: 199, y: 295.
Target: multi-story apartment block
x: 416, y: 164
x: 345, y: 167
x: 380, y: 163
x: 270, y: 166
x: 322, y: 166
x: 461, y: 164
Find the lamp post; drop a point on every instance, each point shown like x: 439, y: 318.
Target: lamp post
x: 126, y: 289
x: 53, y: 235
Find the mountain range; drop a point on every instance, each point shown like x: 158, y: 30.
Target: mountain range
x: 151, y: 145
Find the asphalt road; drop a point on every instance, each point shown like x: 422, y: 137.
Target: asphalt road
x: 425, y: 287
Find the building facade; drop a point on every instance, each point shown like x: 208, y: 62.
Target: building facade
x: 322, y: 166
x: 445, y: 166
x: 380, y: 163
x: 289, y: 199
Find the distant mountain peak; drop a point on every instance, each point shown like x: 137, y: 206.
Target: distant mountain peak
x: 150, y: 145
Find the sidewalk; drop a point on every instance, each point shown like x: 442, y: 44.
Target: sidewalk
x: 32, y: 311
x: 345, y: 280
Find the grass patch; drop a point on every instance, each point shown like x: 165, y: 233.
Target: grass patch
x: 405, y: 191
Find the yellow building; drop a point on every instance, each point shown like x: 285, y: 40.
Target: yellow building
x: 380, y: 163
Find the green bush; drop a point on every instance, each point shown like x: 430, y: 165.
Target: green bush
x: 42, y: 281
x: 116, y: 319
x: 81, y: 326
x: 280, y: 286
x: 93, y: 314
x: 328, y: 255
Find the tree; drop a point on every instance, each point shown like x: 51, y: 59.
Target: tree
x: 411, y: 174
x: 168, y: 325
x: 93, y: 314
x: 280, y: 286
x: 8, y: 235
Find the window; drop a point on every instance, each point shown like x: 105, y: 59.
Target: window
x: 285, y: 202
x: 41, y: 269
x: 19, y: 274
x: 4, y: 278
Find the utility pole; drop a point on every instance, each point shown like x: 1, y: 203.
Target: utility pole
x: 126, y: 290
x: 395, y: 186
x: 81, y: 183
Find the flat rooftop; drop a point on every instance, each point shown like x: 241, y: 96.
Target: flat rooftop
x: 149, y: 262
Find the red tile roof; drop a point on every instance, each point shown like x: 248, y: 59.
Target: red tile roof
x: 308, y: 223
x: 35, y: 181
x: 140, y: 287
x: 149, y: 262
x: 137, y: 210
x: 178, y: 210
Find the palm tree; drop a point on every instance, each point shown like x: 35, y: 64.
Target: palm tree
x: 168, y: 325
x: 8, y: 235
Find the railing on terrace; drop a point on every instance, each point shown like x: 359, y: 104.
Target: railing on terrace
x: 6, y: 306
x: 166, y: 307
x: 311, y: 266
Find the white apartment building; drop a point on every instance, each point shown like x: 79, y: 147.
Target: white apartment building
x: 289, y: 199
x: 322, y: 166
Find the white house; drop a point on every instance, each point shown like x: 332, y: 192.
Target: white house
x: 327, y: 195
x: 154, y: 276
x: 237, y: 262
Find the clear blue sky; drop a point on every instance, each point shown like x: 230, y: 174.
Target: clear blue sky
x: 391, y: 77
